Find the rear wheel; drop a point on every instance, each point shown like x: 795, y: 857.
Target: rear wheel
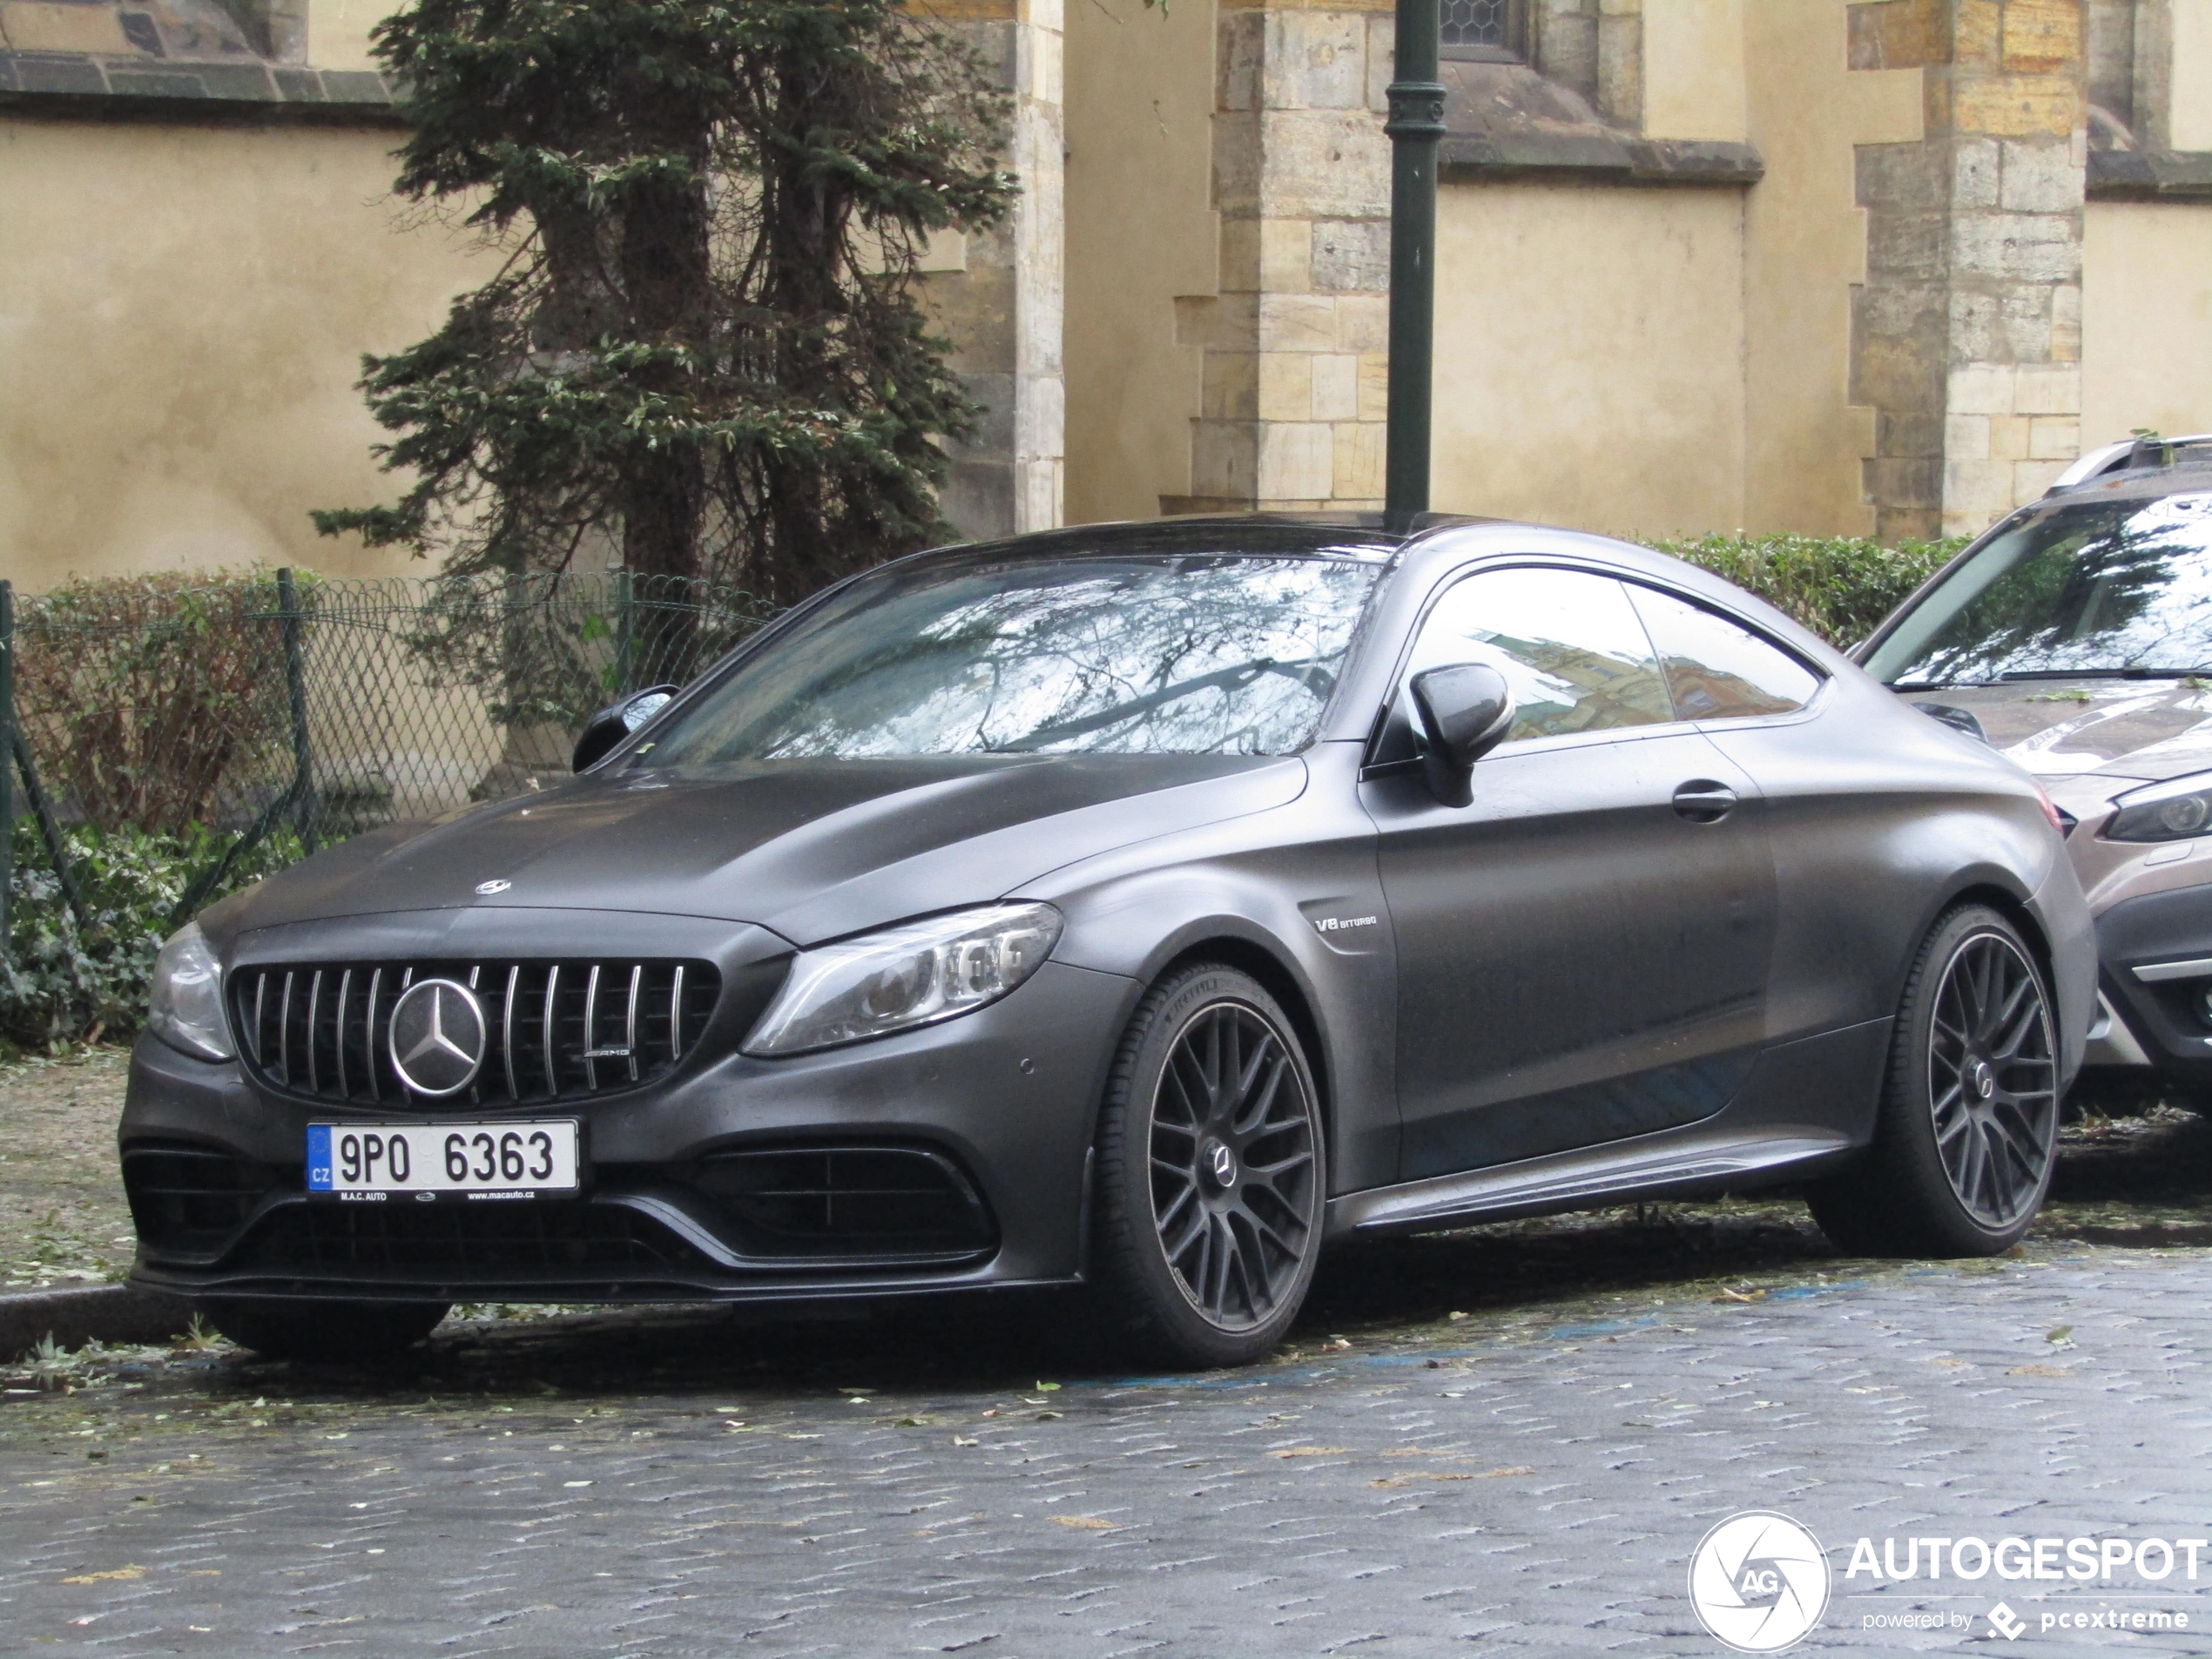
x: 1211, y: 1172
x: 1968, y: 1131
x: 324, y: 1330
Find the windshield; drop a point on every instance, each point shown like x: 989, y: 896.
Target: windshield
x: 1202, y: 654
x: 2101, y: 588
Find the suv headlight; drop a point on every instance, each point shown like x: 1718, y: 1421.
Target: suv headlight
x: 186, y: 1009
x: 915, y: 973
x: 2175, y: 811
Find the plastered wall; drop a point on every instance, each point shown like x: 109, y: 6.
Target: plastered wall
x: 183, y: 310
x: 1141, y: 232
x: 2146, y: 319
x: 1590, y: 360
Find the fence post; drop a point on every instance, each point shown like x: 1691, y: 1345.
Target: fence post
x: 625, y: 630
x: 295, y: 685
x: 7, y: 755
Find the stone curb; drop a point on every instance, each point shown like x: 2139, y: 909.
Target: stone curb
x: 110, y: 1313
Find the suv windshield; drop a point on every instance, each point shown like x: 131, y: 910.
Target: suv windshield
x: 2099, y: 588
x: 1200, y: 654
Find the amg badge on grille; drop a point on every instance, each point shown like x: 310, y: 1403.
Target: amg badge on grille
x: 438, y: 1036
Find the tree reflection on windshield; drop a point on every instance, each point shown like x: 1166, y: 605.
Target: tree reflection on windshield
x: 1189, y: 655
x: 2099, y: 588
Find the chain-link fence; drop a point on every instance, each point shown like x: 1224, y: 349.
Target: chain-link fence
x: 260, y: 717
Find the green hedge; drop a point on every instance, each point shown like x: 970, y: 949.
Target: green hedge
x: 1840, y: 587
x: 61, y: 983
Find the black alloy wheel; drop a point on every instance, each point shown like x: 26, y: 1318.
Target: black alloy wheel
x: 1993, y: 1079
x: 1210, y: 1171
x: 1968, y: 1129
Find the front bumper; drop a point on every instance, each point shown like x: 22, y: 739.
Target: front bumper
x: 2156, y: 953
x: 952, y: 1158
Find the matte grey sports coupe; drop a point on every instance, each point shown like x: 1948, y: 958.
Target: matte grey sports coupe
x: 1135, y: 907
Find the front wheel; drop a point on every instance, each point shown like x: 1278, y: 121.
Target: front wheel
x: 1211, y: 1172
x: 1968, y: 1129
x: 356, y: 1332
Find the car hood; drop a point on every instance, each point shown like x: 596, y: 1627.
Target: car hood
x: 812, y: 849
x: 2129, y: 732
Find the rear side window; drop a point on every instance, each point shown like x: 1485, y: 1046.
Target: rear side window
x: 1568, y: 641
x: 1716, y: 669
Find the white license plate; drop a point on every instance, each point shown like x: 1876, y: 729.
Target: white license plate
x: 369, y: 1162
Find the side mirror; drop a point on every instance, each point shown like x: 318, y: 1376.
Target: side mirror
x: 1466, y: 711
x: 617, y: 721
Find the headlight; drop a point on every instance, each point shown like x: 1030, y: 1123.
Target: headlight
x: 2169, y: 812
x: 186, y: 1009
x: 913, y: 975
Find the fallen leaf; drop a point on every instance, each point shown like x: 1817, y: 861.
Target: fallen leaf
x: 1727, y: 1295
x: 1455, y: 1317
x: 1312, y: 1451
x: 2040, y: 1371
x: 2060, y: 1336
x: 963, y: 1439
x: 113, y: 1575
x: 1089, y: 1523
x: 1046, y: 1387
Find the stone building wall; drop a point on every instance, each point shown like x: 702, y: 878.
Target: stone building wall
x: 1294, y: 343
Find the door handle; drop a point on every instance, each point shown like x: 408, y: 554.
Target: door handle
x: 1703, y: 801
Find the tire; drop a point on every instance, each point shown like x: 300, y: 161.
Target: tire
x: 1211, y: 1173
x: 1968, y: 1131
x: 345, y: 1331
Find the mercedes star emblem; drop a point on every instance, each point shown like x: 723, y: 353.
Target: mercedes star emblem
x: 438, y: 1034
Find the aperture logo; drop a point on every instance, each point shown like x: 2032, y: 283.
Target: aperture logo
x: 1759, y: 1582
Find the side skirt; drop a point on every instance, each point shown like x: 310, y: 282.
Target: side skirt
x: 1677, y: 1164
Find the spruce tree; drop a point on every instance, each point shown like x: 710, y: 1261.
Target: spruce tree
x: 703, y: 354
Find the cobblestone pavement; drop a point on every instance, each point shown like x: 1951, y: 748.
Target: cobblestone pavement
x: 1514, y: 1446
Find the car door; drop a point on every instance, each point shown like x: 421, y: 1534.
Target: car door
x: 1582, y: 951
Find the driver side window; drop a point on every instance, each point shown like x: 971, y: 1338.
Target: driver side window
x: 1569, y: 643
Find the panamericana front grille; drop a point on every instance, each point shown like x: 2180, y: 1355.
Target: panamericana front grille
x: 554, y: 1030
x: 464, y: 1238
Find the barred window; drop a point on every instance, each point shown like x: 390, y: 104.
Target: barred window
x: 1493, y: 27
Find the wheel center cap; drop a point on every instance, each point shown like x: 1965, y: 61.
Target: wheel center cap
x: 1983, y: 1080
x: 1216, y: 1158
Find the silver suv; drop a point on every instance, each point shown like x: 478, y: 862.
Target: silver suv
x: 2076, y: 637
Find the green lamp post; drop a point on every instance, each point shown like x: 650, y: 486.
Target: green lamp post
x: 1415, y: 122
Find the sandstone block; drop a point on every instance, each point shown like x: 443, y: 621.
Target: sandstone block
x: 1223, y: 458
x: 1976, y: 491
x: 1966, y: 437
x: 1316, y: 60
x: 2054, y: 437
x: 1358, y: 460
x: 1374, y: 386
x: 1286, y: 386
x: 2008, y: 438
x: 1325, y: 164
x: 1351, y: 255
x: 1976, y: 164
x: 2017, y: 247
x: 2042, y: 34
x: 2048, y: 389
x: 1335, y: 377
x: 1363, y: 322
x: 1980, y: 388
x: 2016, y: 105
x: 1286, y: 256
x: 2031, y: 480
x: 1297, y: 460
x: 1298, y: 322
x: 1229, y: 386
x: 2041, y: 176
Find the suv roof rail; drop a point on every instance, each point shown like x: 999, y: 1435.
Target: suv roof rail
x: 2131, y: 455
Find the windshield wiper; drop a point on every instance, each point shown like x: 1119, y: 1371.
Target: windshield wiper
x: 2100, y: 673
x: 1227, y: 680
